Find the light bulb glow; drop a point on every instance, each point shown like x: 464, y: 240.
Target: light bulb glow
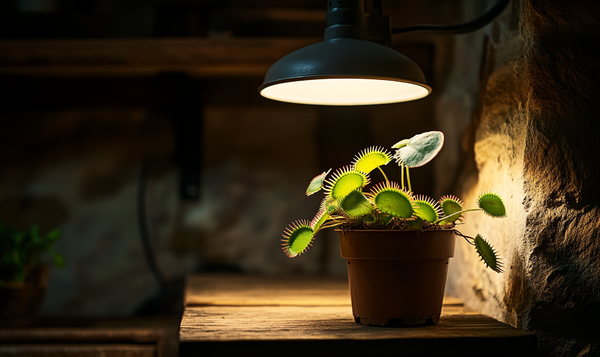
x: 344, y: 91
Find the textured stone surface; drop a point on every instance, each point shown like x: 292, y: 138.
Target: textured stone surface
x: 534, y: 137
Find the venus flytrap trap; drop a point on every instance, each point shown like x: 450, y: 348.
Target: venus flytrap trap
x: 389, y: 205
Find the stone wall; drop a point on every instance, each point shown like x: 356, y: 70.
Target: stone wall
x: 534, y: 138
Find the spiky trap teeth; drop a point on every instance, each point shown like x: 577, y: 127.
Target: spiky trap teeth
x: 319, y: 219
x: 492, y: 204
x: 451, y: 207
x: 488, y: 254
x: 297, y: 238
x: 316, y: 184
x: 390, y: 199
x: 451, y: 198
x: 371, y: 158
x: 426, y: 208
x: 344, y: 181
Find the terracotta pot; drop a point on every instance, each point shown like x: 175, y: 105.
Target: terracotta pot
x: 397, y: 278
x: 19, y: 302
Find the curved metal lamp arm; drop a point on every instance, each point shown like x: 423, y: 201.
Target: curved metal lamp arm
x: 467, y: 27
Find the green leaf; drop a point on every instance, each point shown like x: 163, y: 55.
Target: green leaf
x: 17, y: 258
x: 400, y: 144
x: 426, y: 208
x: 389, y: 198
x: 371, y: 158
x: 451, y: 205
x: 491, y: 203
x: 344, y: 181
x: 370, y: 219
x: 321, y: 217
x: 385, y: 219
x: 355, y: 204
x: 18, y: 238
x: 487, y: 254
x: 59, y: 261
x: 297, y: 238
x: 53, y: 235
x: 414, y: 224
x: 420, y: 149
x: 330, y: 205
x: 316, y: 183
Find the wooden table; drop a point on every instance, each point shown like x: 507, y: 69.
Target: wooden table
x: 237, y: 315
x: 120, y: 337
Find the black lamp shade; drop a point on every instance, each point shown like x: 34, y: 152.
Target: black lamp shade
x: 344, y: 71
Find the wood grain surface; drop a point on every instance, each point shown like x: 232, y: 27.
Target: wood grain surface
x: 235, y: 290
x: 199, y: 57
x: 237, y: 315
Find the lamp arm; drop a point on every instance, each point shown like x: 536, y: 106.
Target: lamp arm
x: 466, y: 27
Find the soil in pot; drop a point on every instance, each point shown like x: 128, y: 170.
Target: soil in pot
x: 397, y: 278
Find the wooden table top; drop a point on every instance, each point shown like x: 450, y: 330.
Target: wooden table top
x: 238, y: 315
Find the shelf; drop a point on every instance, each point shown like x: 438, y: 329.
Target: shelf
x: 227, y: 57
x: 234, y: 315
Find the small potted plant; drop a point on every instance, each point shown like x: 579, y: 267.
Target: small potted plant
x: 397, y: 244
x: 23, y: 272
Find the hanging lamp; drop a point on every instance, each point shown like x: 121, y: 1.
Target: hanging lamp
x: 349, y: 69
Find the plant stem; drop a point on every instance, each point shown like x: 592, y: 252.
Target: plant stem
x: 325, y: 226
x: 402, y: 171
x: 408, y: 180
x: 384, y: 176
x: 465, y: 237
x: 459, y: 213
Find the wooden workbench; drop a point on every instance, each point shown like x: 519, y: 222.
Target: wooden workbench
x: 237, y: 315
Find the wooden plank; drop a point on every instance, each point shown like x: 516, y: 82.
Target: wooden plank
x: 160, y: 334
x: 109, y: 334
x: 301, y: 316
x: 199, y: 57
x: 82, y: 350
x: 232, y: 290
x: 224, y: 289
x: 233, y: 323
x: 307, y: 330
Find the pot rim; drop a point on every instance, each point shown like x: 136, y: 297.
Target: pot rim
x: 394, y: 230
x: 397, y: 244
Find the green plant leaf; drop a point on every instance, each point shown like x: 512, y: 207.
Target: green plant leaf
x: 487, y: 254
x: 53, y: 235
x: 415, y: 224
x: 384, y: 218
x: 371, y: 158
x: 389, y: 198
x: 400, y: 144
x: 330, y: 205
x: 355, y: 204
x: 35, y: 232
x: 59, y: 261
x: 420, y: 149
x: 426, y: 208
x: 321, y: 217
x: 316, y: 183
x: 491, y: 203
x: 344, y: 181
x: 297, y: 238
x: 370, y: 219
x: 18, y: 238
x: 451, y: 205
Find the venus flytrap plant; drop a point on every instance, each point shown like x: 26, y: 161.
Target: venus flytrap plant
x: 389, y: 205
